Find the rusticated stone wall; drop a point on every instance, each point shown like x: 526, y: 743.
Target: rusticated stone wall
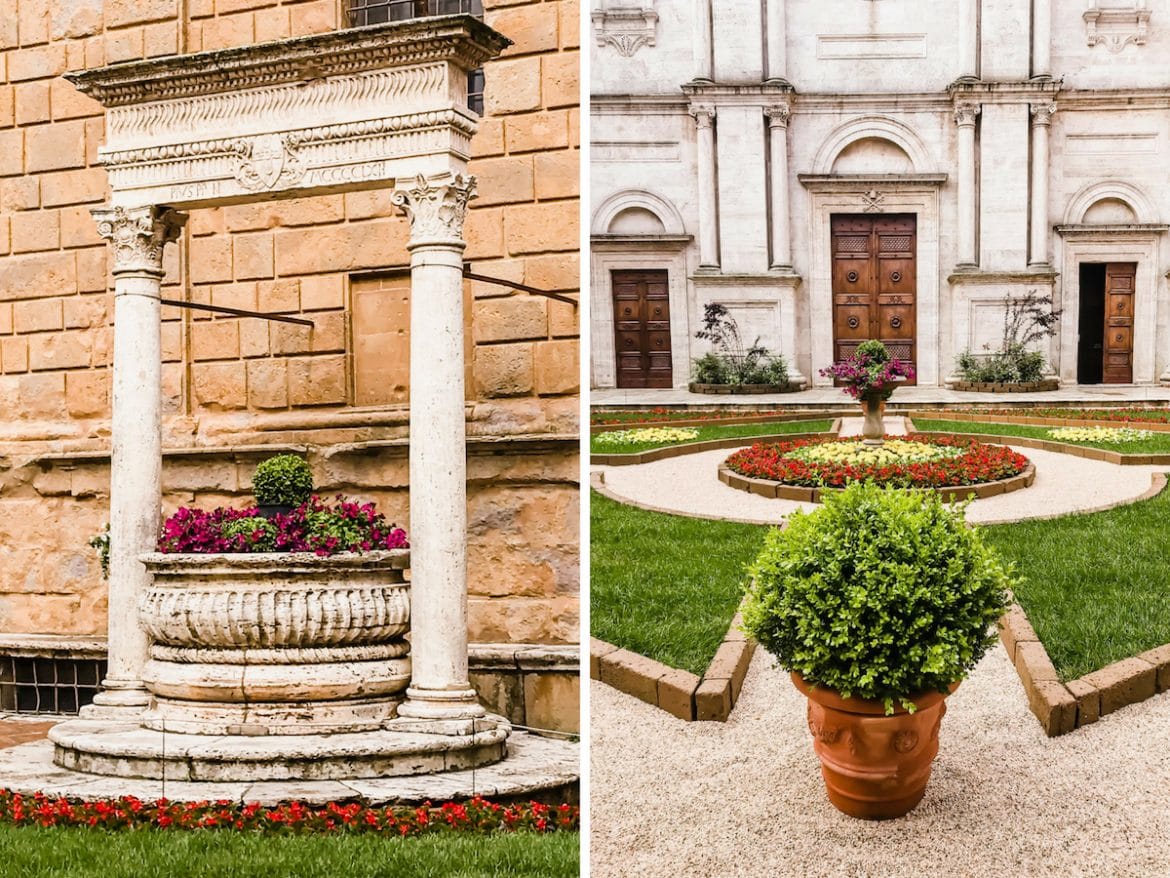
x: 236, y: 390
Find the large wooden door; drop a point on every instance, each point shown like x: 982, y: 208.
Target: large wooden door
x: 1118, y: 350
x: 641, y: 316
x: 874, y: 283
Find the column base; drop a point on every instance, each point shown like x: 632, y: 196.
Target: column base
x: 1041, y: 266
x: 440, y: 711
x: 121, y: 700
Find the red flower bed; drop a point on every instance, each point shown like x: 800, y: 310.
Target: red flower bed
x: 1126, y: 416
x: 977, y: 464
x: 128, y: 812
x: 665, y: 414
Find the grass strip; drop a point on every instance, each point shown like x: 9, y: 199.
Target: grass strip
x: 1159, y: 443
x: 35, y: 852
x: 641, y: 416
x: 1096, y: 586
x: 665, y: 586
x: 715, y: 431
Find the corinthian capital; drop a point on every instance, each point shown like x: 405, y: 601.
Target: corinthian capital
x: 1042, y: 113
x: 436, y: 208
x: 965, y: 114
x: 778, y: 116
x: 139, y: 235
x: 704, y: 115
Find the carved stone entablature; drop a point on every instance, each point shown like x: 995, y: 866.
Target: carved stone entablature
x: 139, y: 236
x: 304, y: 116
x: 1117, y: 27
x: 436, y: 208
x: 626, y: 26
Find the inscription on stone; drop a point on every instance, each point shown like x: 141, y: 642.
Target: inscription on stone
x: 345, y: 174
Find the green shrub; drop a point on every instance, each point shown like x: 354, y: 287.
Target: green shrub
x: 879, y: 594
x: 1013, y: 365
x: 710, y: 369
x: 284, y: 480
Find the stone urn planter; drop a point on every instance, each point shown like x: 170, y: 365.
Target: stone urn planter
x: 875, y: 766
x: 280, y: 643
x: 873, y: 408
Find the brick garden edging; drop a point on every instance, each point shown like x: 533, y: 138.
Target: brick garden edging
x: 744, y: 389
x: 1063, y: 707
x: 1042, y: 386
x: 679, y: 693
x: 1114, y: 457
x: 776, y: 490
x: 810, y: 415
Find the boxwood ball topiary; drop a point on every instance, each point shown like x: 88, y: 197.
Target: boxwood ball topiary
x: 879, y: 594
x: 284, y: 480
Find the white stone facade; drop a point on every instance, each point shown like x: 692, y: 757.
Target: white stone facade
x: 1026, y: 138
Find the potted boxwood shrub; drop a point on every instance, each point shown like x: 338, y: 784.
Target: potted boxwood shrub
x: 282, y: 483
x: 879, y: 603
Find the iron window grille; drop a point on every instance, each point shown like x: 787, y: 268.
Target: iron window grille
x: 48, y: 685
x: 366, y: 12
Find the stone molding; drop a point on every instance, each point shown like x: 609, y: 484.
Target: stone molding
x: 139, y: 236
x: 627, y: 28
x: 436, y: 209
x: 1117, y: 28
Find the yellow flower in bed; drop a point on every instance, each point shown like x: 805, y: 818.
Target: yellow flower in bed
x: 892, y: 451
x: 655, y: 435
x: 1099, y: 434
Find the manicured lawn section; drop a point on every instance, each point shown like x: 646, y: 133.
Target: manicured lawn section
x: 665, y: 586
x: 1157, y: 416
x: 1159, y: 443
x: 1096, y: 587
x: 724, y: 431
x: 84, y: 853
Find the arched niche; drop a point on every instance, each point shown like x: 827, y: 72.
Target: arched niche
x: 1110, y: 212
x: 1111, y: 198
x: 867, y: 138
x: 872, y: 155
x: 634, y: 212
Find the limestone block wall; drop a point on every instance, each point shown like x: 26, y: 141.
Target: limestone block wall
x: 231, y: 383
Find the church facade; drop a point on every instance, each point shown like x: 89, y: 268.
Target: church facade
x: 836, y: 170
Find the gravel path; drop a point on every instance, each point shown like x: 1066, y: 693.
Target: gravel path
x: 1064, y: 484
x: 745, y: 798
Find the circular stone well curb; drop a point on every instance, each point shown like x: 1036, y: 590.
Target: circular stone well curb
x: 771, y: 489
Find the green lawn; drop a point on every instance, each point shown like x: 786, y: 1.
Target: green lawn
x: 30, y: 852
x: 1159, y: 443
x: 716, y: 431
x: 665, y: 586
x: 1097, y: 586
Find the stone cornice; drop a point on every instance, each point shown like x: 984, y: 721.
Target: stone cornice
x: 1028, y: 91
x: 774, y: 278
x: 458, y: 38
x: 854, y: 182
x: 977, y: 277
x: 1111, y: 232
x: 766, y: 93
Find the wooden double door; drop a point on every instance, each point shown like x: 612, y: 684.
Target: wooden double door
x: 641, y: 319
x: 1105, y: 349
x: 874, y: 283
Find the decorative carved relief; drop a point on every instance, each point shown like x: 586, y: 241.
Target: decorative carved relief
x: 627, y: 28
x: 271, y: 161
x: 436, y: 209
x: 139, y: 235
x: 1115, y: 28
x: 873, y: 201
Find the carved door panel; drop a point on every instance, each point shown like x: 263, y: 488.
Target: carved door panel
x: 1120, y: 278
x: 874, y: 283
x: 641, y: 303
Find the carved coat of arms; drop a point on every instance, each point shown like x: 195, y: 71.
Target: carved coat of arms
x: 271, y: 162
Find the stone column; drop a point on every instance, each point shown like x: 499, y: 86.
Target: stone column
x: 708, y: 196
x: 703, y: 40
x: 777, y: 46
x: 1041, y: 39
x: 439, y: 689
x: 778, y: 145
x: 139, y: 236
x: 965, y: 118
x: 968, y: 38
x: 1041, y: 120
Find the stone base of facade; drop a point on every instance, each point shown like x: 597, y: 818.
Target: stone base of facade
x: 129, y: 750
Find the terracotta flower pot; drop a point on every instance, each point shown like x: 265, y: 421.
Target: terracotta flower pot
x: 875, y: 766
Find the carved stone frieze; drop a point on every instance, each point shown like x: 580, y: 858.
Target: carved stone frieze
x: 304, y: 116
x: 139, y: 236
x: 436, y: 209
x: 626, y: 28
x: 873, y: 201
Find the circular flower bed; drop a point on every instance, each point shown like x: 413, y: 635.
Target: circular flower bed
x: 1099, y: 434
x: 649, y: 434
x: 914, y: 461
